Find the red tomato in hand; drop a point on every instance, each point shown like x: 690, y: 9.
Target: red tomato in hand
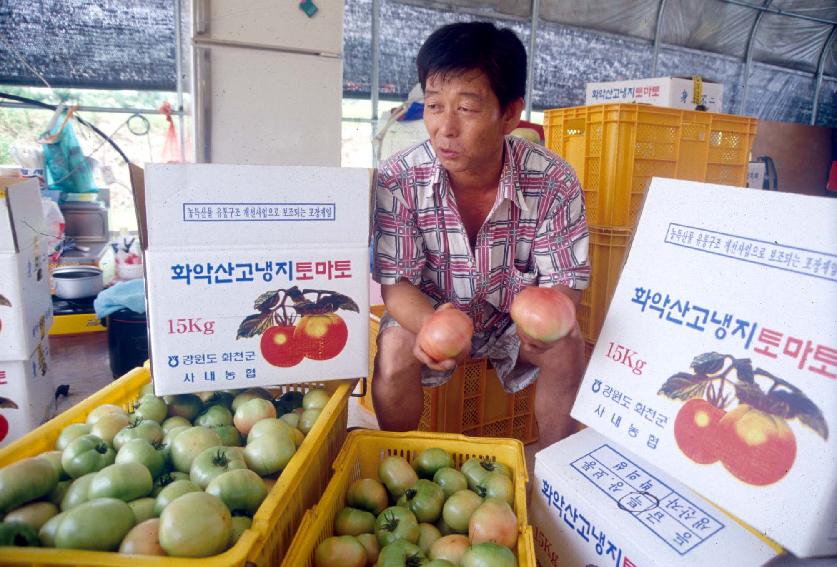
x: 280, y: 348
x: 543, y: 313
x: 446, y: 334
x: 321, y: 336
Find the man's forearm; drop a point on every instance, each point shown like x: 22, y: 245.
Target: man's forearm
x: 407, y: 304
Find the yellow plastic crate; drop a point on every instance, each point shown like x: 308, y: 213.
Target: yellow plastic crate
x: 616, y: 149
x: 472, y: 402
x: 299, y: 486
x: 608, y: 248
x: 359, y: 459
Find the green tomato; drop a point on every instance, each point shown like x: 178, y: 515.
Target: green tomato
x: 214, y: 416
x: 18, y: 535
x: 401, y: 553
x: 142, y: 452
x: 397, y: 475
x: 449, y: 548
x: 340, y: 551
x: 268, y: 426
x: 58, y: 493
x: 431, y: 460
x: 239, y: 525
x: 367, y: 494
x: 291, y: 419
x: 458, y: 509
x: 174, y: 421
x: 488, y: 555
x: 424, y: 499
x: 428, y: 536
x: 308, y: 419
x: 475, y: 470
x: 186, y: 406
x: 87, y: 454
x: 143, y: 509
x: 372, y: 547
x: 315, y: 399
x: 191, y: 443
x: 143, y: 539
x: 138, y: 428
x: 47, y: 532
x: 77, y: 492
x: 54, y: 458
x: 220, y: 397
x: 438, y: 563
x: 269, y: 454
x: 166, y: 479
x: 249, y: 394
x: 125, y: 481
x: 451, y: 480
x: 107, y: 426
x: 230, y: 437
x: 97, y: 525
x: 105, y: 409
x: 394, y: 523
x: 71, y: 432
x: 496, y: 485
x: 153, y: 408
x: 172, y: 492
x: 34, y: 514
x: 213, y: 462
x: 351, y: 521
x: 26, y: 480
x: 241, y: 490
x: 195, y: 525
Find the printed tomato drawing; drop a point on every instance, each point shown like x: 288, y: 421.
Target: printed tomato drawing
x: 753, y: 440
x: 300, y: 328
x: 280, y: 348
x: 5, y: 403
x: 4, y: 302
x: 321, y: 336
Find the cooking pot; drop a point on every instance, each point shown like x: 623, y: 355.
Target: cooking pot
x: 75, y: 282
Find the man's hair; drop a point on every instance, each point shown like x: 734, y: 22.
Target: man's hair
x: 457, y: 48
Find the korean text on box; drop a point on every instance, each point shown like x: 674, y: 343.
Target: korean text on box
x: 25, y: 303
x: 718, y: 357
x: 595, y: 504
x: 672, y: 92
x: 256, y: 275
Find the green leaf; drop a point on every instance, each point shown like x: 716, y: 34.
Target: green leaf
x: 744, y: 369
x: 254, y: 325
x: 708, y: 363
x: 684, y: 386
x: 4, y: 301
x: 267, y: 301
x: 793, y: 404
x: 751, y: 394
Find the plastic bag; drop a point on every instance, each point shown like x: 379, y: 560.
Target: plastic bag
x: 172, y: 153
x: 66, y: 167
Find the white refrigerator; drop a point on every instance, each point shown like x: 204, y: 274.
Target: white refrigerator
x: 268, y: 82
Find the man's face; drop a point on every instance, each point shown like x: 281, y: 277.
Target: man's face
x: 465, y: 123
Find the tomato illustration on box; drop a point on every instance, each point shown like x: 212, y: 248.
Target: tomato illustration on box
x: 729, y: 417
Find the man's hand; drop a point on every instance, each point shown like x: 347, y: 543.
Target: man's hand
x: 441, y: 365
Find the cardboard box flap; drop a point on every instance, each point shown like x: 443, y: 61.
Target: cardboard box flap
x: 21, y: 214
x: 224, y: 206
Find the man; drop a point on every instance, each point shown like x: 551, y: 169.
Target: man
x: 467, y: 220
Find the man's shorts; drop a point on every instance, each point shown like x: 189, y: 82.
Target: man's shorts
x: 501, y: 346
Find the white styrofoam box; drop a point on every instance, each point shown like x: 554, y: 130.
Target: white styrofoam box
x: 26, y: 394
x: 673, y: 92
x: 255, y: 275
x: 593, y: 503
x: 717, y: 360
x: 25, y: 302
x: 755, y: 174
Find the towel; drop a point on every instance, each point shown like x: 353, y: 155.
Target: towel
x: 124, y: 295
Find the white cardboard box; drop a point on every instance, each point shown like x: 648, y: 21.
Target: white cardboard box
x: 728, y: 298
x: 755, y: 174
x: 231, y: 251
x: 673, y: 92
x: 593, y: 503
x: 25, y: 302
x: 27, y: 396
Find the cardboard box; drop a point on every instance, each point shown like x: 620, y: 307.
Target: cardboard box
x: 717, y: 360
x: 27, y: 396
x: 255, y: 275
x: 25, y: 302
x: 595, y: 504
x: 755, y: 174
x: 673, y: 92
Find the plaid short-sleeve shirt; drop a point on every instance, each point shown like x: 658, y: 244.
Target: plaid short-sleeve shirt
x: 535, y: 234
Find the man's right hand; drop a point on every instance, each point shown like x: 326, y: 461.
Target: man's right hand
x: 424, y: 358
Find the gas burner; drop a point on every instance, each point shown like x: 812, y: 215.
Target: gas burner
x: 72, y: 306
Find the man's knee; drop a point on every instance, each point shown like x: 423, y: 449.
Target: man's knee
x: 395, y: 355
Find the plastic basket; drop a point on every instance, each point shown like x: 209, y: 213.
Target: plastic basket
x: 472, y: 402
x: 274, y: 524
x: 617, y: 148
x: 359, y: 459
x: 608, y: 247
